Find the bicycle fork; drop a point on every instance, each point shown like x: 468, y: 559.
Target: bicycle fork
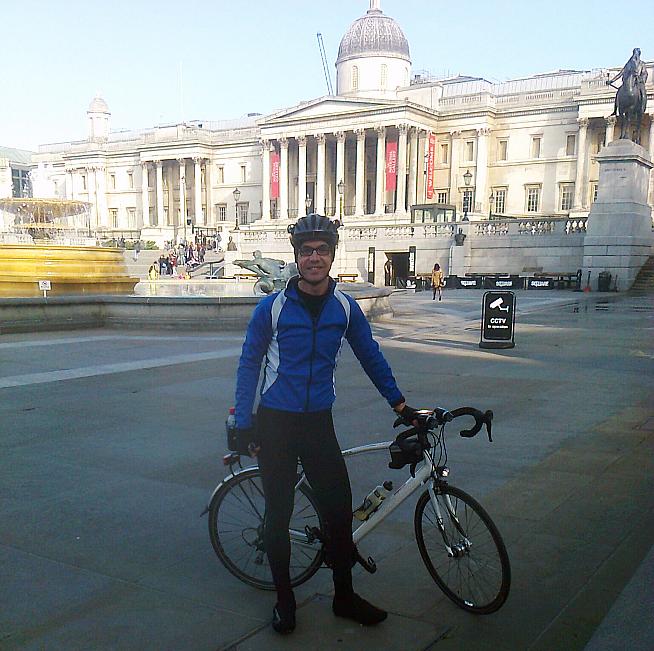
x: 454, y: 549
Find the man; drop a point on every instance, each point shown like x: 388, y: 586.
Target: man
x: 637, y: 70
x: 299, y: 331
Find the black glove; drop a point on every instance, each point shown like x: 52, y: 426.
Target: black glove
x: 240, y: 438
x: 409, y: 414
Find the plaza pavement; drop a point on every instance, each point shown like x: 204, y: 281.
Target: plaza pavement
x: 110, y: 446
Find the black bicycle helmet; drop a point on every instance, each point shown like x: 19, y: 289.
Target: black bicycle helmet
x: 314, y: 227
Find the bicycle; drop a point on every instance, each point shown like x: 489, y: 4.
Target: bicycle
x: 466, y: 557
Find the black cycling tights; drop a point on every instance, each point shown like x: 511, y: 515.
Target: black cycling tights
x: 285, y: 436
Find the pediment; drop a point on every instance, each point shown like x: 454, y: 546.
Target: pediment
x: 327, y: 107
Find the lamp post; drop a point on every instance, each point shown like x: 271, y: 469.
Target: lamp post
x: 467, y: 178
x: 341, y: 191
x: 307, y: 204
x: 237, y: 196
x: 490, y: 205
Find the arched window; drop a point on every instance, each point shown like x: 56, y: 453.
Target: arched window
x: 384, y: 76
x: 355, y: 78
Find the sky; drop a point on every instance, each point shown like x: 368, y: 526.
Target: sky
x: 162, y: 61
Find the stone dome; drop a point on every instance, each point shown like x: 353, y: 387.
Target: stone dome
x: 374, y: 35
x: 98, y: 105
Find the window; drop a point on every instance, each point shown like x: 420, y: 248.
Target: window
x: 467, y: 201
x: 242, y: 212
x: 442, y: 196
x: 470, y: 150
x: 500, y: 201
x: 355, y: 78
x: 533, y: 198
x: 445, y: 153
x: 570, y: 144
x: 112, y: 181
x: 566, y: 196
x: 84, y: 182
x: 243, y: 173
x: 113, y: 217
x: 221, y: 212
x: 131, y: 218
x: 130, y: 180
x: 221, y: 174
x: 502, y: 149
x: 384, y: 76
x: 535, y: 147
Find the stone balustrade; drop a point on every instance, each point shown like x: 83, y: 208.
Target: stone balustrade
x: 530, y: 227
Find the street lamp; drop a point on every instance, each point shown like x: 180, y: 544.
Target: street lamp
x: 307, y: 204
x: 467, y: 178
x: 237, y: 196
x: 341, y: 191
x: 490, y: 205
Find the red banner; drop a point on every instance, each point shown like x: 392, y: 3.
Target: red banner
x: 430, y: 165
x: 274, y: 175
x: 391, y: 165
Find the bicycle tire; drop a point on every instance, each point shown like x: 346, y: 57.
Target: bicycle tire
x: 236, y: 515
x: 479, y: 553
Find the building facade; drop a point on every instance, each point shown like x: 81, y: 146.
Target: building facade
x: 389, y: 150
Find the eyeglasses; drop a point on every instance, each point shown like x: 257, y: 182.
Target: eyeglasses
x: 322, y: 250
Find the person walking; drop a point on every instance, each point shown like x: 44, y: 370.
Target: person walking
x: 297, y: 334
x: 437, y: 282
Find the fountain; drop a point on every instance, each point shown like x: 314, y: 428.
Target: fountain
x: 50, y: 239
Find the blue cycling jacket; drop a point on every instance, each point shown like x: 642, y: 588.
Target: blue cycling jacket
x: 301, y: 354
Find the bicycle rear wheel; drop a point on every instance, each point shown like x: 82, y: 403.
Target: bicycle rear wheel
x: 236, y: 516
x: 463, y: 550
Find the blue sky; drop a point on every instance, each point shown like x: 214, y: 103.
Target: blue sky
x: 257, y: 56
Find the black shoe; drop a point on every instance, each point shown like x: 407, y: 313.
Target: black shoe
x: 283, y: 620
x: 358, y: 609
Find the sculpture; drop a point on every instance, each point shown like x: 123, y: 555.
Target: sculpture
x: 273, y: 274
x: 631, y: 98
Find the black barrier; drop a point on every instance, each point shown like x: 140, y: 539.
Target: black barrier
x: 452, y: 282
x: 470, y: 283
x: 514, y: 282
x: 540, y: 283
x: 497, y: 320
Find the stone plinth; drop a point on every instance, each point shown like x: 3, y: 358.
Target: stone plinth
x: 619, y: 232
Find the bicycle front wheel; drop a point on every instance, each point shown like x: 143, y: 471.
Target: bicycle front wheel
x: 463, y: 550
x: 236, y: 517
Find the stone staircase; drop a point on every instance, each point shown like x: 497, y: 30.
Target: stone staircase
x: 645, y: 279
x: 139, y: 268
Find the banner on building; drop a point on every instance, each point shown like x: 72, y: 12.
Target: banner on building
x: 431, y: 151
x: 391, y: 165
x: 274, y: 175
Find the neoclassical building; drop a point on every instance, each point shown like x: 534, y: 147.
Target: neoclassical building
x: 390, y: 149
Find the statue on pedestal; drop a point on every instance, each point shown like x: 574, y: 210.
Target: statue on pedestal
x: 631, y: 98
x: 273, y: 274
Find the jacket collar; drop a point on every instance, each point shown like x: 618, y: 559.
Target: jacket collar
x: 291, y: 290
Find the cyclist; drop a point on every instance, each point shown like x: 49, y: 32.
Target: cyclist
x: 299, y: 332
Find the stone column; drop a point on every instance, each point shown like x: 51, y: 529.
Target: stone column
x: 101, y: 186
x: 381, y: 166
x: 340, y: 170
x: 145, y: 196
x: 283, y: 178
x: 209, y: 218
x: 580, y: 183
x: 360, y: 176
x: 301, y: 174
x: 481, y: 175
x: 320, y: 175
x: 401, y: 169
x: 413, y: 165
x: 182, y: 192
x: 160, y: 193
x: 610, y: 127
x: 265, y: 180
x: 71, y: 182
x: 172, y: 215
x: 454, y: 167
x: 197, y: 195
x: 651, y: 155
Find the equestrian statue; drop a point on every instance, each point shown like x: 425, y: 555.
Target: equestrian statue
x: 631, y: 98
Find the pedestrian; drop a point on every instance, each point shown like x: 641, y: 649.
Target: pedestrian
x: 437, y: 282
x: 294, y: 418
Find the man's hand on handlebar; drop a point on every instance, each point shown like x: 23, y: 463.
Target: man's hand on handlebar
x: 409, y: 414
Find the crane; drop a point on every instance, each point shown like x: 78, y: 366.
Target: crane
x: 325, y: 67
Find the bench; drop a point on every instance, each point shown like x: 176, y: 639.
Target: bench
x: 244, y: 276
x: 347, y: 278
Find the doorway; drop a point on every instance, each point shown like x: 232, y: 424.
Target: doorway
x: 396, y: 269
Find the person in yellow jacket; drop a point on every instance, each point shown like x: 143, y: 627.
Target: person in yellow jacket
x: 437, y: 282
x: 153, y: 274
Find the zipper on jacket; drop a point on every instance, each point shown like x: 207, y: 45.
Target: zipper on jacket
x: 314, y: 329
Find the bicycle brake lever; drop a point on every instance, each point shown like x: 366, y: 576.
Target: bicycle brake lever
x: 488, y: 419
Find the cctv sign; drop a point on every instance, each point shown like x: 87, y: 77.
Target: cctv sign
x: 497, y: 320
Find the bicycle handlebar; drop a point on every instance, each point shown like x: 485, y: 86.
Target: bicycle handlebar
x: 428, y: 419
